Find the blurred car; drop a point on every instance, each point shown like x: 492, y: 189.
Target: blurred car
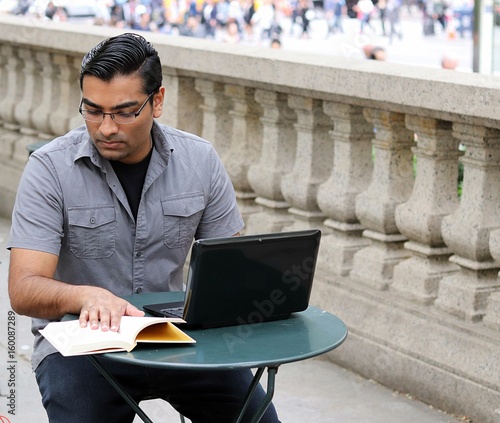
x: 8, y: 6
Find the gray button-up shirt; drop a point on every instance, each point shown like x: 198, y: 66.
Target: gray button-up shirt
x: 71, y: 203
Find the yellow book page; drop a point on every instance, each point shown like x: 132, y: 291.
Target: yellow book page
x: 163, y: 332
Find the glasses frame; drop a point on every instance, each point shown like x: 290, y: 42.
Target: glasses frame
x: 112, y: 115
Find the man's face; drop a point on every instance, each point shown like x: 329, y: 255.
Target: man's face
x: 127, y: 143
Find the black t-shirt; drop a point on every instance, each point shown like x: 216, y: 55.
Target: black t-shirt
x: 131, y: 176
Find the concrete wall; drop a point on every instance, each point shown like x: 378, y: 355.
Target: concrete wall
x: 327, y: 142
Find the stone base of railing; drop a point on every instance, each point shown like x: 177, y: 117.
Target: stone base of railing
x: 404, y: 345
x: 13, y: 155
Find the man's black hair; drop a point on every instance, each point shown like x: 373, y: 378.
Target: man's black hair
x: 124, y: 54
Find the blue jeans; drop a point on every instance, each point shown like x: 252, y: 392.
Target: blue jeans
x: 73, y: 390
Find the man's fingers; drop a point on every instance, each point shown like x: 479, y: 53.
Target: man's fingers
x: 105, y: 318
x: 84, y: 318
x: 89, y: 316
x: 94, y: 317
x: 106, y: 312
x: 131, y: 310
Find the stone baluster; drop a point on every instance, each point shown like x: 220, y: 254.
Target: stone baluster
x: 246, y: 144
x: 182, y: 103
x: 391, y: 185
x: 31, y: 92
x: 10, y: 139
x: 49, y: 95
x: 15, y: 85
x: 65, y: 115
x: 312, y: 164
x: 467, y: 231
x: 3, y: 80
x: 276, y: 159
x: 351, y: 174
x: 434, y: 196
x: 216, y: 119
x: 4, y: 84
x: 492, y: 315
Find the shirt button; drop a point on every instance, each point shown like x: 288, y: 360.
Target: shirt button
x: 138, y: 290
x: 92, y: 220
x: 138, y: 255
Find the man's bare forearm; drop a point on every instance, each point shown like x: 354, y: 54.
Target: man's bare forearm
x: 34, y: 292
x: 46, y: 298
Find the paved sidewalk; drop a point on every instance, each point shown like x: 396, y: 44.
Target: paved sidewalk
x: 309, y: 391
x: 414, y: 48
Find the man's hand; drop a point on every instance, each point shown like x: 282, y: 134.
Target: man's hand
x: 101, y: 306
x: 33, y: 292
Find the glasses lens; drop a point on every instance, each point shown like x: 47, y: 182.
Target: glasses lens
x: 123, y: 117
x: 91, y: 116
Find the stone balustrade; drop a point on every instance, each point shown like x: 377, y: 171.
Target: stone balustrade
x: 367, y: 151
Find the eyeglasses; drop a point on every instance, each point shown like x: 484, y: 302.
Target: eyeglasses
x: 120, y: 117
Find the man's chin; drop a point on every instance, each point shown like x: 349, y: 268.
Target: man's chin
x: 112, y: 156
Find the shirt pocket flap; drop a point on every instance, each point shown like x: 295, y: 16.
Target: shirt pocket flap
x: 91, y: 217
x: 183, y: 205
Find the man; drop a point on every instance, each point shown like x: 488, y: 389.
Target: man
x: 108, y: 210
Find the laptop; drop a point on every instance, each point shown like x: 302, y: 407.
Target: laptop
x: 246, y: 279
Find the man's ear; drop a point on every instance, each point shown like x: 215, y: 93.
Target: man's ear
x: 158, y: 102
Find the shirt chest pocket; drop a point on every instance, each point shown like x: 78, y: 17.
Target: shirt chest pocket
x: 92, y: 231
x: 181, y: 216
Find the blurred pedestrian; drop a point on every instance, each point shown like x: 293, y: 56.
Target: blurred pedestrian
x: 232, y: 33
x: 439, y: 12
x: 265, y: 18
x: 131, y: 12
x: 118, y: 16
x: 54, y: 12
x: 209, y: 18
x: 235, y: 14
x: 176, y: 13
x: 248, y: 9
x: 192, y: 28
x: 365, y: 9
x: 381, y: 6
x: 393, y: 12
x: 334, y: 10
x: 23, y: 7
x: 142, y: 21
x: 304, y: 14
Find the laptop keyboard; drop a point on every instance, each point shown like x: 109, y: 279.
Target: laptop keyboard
x: 174, y: 311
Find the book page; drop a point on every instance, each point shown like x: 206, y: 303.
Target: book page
x: 164, y: 333
x: 71, y: 339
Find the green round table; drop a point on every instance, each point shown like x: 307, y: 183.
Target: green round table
x: 255, y: 346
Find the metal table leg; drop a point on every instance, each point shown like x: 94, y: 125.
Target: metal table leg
x: 271, y: 377
x: 120, y: 389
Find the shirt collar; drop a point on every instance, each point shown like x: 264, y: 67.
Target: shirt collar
x: 88, y: 149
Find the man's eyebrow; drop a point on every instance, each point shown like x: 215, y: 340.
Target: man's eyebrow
x: 131, y: 103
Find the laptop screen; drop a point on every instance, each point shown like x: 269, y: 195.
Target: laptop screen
x: 251, y: 278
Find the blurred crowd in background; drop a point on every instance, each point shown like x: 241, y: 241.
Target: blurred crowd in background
x: 251, y: 21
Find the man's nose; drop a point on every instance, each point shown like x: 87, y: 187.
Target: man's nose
x: 108, y: 126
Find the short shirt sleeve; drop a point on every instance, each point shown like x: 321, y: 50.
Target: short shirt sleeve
x: 221, y: 216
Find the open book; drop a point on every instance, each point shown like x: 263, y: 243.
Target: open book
x: 71, y: 339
